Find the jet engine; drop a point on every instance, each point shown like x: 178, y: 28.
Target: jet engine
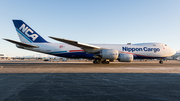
x: 123, y: 57
x: 110, y: 54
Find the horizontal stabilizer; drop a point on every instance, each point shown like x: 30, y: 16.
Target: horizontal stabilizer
x: 21, y: 44
x: 75, y: 43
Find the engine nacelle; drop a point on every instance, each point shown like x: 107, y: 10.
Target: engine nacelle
x: 110, y: 54
x: 123, y: 57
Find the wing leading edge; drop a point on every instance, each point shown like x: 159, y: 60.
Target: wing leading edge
x: 86, y: 47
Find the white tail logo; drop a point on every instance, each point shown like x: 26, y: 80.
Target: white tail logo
x: 26, y: 30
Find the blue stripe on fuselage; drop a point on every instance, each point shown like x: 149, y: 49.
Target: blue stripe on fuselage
x: 91, y: 56
x: 75, y: 55
x: 146, y: 57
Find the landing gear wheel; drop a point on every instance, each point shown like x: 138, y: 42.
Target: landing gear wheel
x: 96, y: 61
x: 107, y: 62
x: 161, y: 62
x: 103, y: 62
x: 99, y: 61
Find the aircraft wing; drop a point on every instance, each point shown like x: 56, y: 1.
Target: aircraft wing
x: 21, y: 44
x: 77, y: 44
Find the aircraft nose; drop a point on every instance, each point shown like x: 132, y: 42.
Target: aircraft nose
x: 173, y: 51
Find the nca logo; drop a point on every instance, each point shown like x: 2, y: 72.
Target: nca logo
x: 26, y: 30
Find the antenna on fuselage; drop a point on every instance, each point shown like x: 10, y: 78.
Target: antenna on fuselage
x: 128, y: 43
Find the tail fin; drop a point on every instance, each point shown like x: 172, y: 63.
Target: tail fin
x: 26, y: 33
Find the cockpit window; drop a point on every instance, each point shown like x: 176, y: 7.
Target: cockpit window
x: 154, y: 45
x: 165, y: 44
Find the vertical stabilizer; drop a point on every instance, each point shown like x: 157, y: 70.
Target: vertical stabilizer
x: 26, y: 33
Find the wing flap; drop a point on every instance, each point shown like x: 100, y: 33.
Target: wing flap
x: 21, y: 44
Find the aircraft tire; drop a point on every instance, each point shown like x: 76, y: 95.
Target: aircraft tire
x: 107, y: 62
x: 161, y: 62
x: 104, y: 62
x: 96, y: 61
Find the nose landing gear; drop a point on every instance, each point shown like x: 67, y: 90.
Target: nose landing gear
x: 161, y: 61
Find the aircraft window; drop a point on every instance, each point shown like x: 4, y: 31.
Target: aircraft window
x: 154, y: 45
x: 165, y: 45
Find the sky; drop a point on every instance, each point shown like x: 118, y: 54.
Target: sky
x: 92, y: 21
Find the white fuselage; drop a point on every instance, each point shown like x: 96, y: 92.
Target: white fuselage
x: 144, y: 50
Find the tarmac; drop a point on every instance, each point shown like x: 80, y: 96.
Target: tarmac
x: 85, y: 81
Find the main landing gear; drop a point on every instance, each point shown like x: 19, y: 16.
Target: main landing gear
x: 98, y: 61
x: 161, y: 61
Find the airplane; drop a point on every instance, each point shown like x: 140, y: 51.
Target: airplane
x: 99, y: 53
